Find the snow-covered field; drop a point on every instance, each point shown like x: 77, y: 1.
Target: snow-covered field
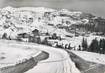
x: 14, y: 21
x: 91, y: 57
x: 11, y: 54
x: 58, y: 61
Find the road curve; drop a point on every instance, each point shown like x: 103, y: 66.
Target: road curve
x: 58, y: 62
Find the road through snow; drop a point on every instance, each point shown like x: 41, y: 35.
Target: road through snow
x: 58, y: 62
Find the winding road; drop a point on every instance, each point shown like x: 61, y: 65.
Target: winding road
x: 54, y: 60
x: 58, y: 62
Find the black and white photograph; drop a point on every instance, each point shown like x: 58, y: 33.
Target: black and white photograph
x: 52, y: 36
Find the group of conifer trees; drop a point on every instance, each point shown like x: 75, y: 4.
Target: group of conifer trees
x: 97, y: 46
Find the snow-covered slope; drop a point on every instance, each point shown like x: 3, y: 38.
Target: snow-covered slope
x: 14, y: 21
x: 57, y: 62
x: 28, y: 18
x: 91, y: 57
x: 12, y: 54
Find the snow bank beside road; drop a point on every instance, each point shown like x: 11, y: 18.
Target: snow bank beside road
x: 92, y: 57
x: 86, y: 66
x: 25, y: 65
x: 18, y: 58
x: 58, y: 61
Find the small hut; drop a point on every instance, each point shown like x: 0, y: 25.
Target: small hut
x: 35, y: 32
x: 23, y: 35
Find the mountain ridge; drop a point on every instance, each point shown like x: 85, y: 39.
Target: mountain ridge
x: 26, y: 19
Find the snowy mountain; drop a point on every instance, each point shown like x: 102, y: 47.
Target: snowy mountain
x: 26, y: 19
x: 64, y: 23
x: 62, y: 28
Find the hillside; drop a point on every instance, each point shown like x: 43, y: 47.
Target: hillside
x: 88, y: 62
x: 52, y: 32
x: 63, y: 25
x: 26, y: 19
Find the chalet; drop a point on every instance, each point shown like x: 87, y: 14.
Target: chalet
x: 35, y: 32
x: 23, y: 35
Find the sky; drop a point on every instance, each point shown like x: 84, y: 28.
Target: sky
x: 96, y: 7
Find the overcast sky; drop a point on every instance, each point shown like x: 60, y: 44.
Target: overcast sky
x: 96, y: 7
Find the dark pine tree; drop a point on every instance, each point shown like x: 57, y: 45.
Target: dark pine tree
x: 39, y: 40
x: 84, y: 44
x: 103, y: 50
x: 101, y: 45
x: 79, y: 47
x: 45, y: 41
x: 94, y: 46
x: 54, y: 36
x: 69, y: 46
x: 4, y: 36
